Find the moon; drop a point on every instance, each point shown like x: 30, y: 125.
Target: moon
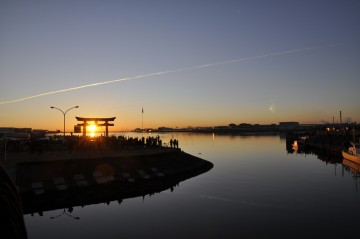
x: 272, y: 108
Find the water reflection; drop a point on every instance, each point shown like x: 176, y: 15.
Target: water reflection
x: 64, y: 184
x: 331, y: 158
x: 255, y: 187
x: 66, y: 212
x: 354, y: 169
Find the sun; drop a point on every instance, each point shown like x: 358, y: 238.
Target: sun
x: 92, y: 128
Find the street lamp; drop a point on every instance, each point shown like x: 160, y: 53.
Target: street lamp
x: 64, y: 113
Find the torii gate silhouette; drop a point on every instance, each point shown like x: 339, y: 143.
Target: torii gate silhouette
x: 96, y: 120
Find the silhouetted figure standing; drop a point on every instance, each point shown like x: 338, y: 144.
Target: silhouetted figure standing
x: 176, y: 143
x: 142, y: 141
x: 171, y: 143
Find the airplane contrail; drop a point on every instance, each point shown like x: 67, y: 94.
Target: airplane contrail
x: 164, y: 72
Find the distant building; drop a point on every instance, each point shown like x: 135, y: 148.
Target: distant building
x: 40, y: 131
x: 17, y: 130
x: 288, y: 125
x: 245, y: 125
x: 348, y: 120
x: 165, y: 129
x: 3, y: 129
x: 15, y: 133
x: 77, y: 129
x: 221, y: 127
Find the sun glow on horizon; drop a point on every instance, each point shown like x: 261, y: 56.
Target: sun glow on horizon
x: 92, y: 129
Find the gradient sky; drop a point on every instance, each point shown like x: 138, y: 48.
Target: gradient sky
x: 47, y: 46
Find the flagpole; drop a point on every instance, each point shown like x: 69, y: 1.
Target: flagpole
x: 142, y: 119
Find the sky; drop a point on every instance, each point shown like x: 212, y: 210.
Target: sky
x: 185, y: 63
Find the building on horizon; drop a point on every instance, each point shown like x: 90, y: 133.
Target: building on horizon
x: 288, y: 125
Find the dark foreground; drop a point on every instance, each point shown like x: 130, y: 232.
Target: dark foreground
x: 46, y: 184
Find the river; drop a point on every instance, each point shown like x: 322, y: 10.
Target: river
x: 256, y: 189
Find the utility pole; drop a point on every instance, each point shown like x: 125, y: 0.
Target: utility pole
x: 340, y: 119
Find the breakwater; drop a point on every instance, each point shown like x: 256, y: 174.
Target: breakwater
x: 47, y: 184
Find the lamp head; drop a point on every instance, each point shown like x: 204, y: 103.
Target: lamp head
x: 52, y: 107
x: 77, y: 106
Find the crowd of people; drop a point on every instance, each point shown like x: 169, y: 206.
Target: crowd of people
x: 174, y: 143
x: 55, y: 143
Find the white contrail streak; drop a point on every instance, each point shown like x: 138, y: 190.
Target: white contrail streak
x: 163, y: 72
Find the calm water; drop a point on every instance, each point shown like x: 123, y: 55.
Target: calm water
x: 255, y: 190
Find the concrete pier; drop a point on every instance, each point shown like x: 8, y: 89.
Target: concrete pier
x: 56, y: 180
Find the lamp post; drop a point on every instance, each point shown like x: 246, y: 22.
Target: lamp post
x: 64, y: 113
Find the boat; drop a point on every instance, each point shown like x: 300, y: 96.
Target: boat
x: 352, y: 154
x: 299, y: 143
x: 295, y: 145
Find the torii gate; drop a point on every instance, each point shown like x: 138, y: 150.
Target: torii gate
x: 96, y: 120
